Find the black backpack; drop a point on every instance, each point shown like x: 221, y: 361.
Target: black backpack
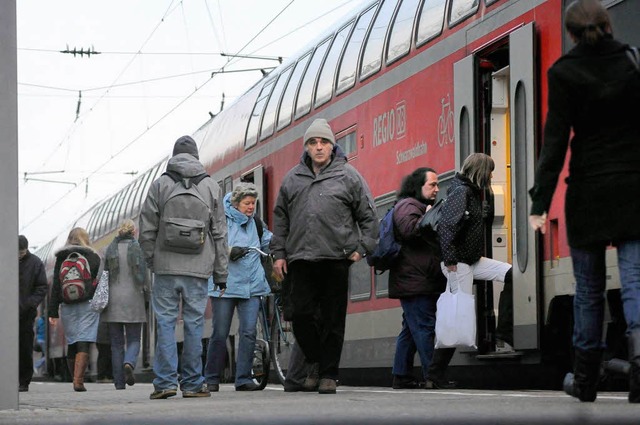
x: 388, y: 249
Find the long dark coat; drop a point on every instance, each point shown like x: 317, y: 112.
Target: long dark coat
x: 594, y: 91
x: 417, y: 270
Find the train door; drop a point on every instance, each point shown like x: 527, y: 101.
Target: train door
x: 495, y: 114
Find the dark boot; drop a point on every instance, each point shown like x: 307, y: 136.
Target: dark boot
x: 583, y: 383
x: 82, y: 359
x: 634, y: 370
x: 70, y: 364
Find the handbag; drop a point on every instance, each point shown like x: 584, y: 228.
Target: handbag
x: 267, y: 264
x: 455, y: 319
x: 101, y: 296
x: 431, y: 218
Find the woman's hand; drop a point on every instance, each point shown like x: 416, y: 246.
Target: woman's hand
x: 538, y: 222
x: 53, y: 321
x: 453, y: 268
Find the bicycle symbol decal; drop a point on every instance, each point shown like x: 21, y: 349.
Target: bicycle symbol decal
x: 445, y: 123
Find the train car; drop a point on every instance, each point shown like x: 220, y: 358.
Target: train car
x: 405, y: 84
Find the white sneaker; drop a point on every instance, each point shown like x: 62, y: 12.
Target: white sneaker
x: 503, y: 347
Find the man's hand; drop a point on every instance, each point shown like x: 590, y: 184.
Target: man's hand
x: 355, y: 256
x: 280, y: 268
x: 538, y: 222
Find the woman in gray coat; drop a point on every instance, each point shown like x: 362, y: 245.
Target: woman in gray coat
x: 125, y: 312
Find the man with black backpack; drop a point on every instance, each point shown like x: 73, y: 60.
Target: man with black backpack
x: 183, y: 234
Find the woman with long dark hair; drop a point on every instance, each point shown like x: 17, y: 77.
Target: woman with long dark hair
x: 594, y: 91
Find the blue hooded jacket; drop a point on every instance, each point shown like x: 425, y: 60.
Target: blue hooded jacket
x: 246, y: 276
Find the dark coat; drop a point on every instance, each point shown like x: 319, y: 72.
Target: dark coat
x: 56, y: 288
x: 594, y: 91
x: 417, y: 270
x: 33, y: 284
x: 461, y: 227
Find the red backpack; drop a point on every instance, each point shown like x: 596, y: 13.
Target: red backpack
x: 75, y: 278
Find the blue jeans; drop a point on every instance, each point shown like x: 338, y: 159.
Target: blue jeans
x: 417, y: 334
x: 166, y: 294
x: 222, y: 315
x: 589, y: 269
x: 120, y: 355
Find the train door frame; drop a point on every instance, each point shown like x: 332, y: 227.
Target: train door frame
x: 472, y: 108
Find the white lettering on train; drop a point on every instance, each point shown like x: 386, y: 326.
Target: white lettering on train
x: 417, y: 150
x: 390, y: 125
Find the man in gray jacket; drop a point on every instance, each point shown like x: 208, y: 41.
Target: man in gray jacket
x: 324, y: 222
x: 183, y: 233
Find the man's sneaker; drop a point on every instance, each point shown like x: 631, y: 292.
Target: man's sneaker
x: 23, y: 388
x: 403, y: 382
x: 327, y: 386
x: 213, y: 388
x: 202, y: 392
x: 128, y: 375
x: 162, y: 394
x: 249, y: 386
x: 504, y: 347
x: 440, y: 385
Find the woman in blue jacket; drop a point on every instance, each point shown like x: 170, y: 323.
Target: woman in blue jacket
x: 245, y: 285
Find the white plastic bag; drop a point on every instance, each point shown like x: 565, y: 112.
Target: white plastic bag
x: 101, y: 296
x: 456, y: 320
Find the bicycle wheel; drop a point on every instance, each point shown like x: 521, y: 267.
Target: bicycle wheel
x: 281, y: 343
x: 261, y: 357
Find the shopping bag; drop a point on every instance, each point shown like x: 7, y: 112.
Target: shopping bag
x: 455, y: 319
x: 101, y: 296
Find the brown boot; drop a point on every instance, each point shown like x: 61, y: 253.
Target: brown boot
x: 82, y: 359
x: 70, y: 364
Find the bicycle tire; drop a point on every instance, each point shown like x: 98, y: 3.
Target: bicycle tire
x: 261, y: 356
x: 281, y: 344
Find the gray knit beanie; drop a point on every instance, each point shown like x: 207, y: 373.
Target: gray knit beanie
x: 185, y: 144
x: 320, y: 128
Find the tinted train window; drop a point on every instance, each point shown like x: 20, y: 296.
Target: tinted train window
x: 372, y: 57
x: 93, y: 222
x: 286, y: 107
x: 254, y: 120
x: 303, y: 105
x: 349, y: 64
x: 117, y: 212
x: 461, y: 9
x: 104, y: 224
x: 328, y: 73
x: 347, y: 142
x: 269, y: 120
x: 430, y: 21
x: 400, y: 36
x: 127, y: 200
x: 381, y: 281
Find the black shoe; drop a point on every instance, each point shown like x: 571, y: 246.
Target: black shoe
x: 327, y: 386
x: 291, y: 387
x: 250, y: 386
x: 440, y: 385
x: 403, y: 382
x: 128, y: 375
x: 214, y: 388
x: 23, y: 388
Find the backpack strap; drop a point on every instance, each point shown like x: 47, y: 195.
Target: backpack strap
x: 259, y: 228
x: 634, y: 56
x: 186, y: 181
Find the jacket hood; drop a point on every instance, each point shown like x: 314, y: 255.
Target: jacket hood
x: 72, y: 248
x: 186, y: 165
x: 233, y: 213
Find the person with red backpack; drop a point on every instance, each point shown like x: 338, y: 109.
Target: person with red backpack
x: 74, y: 282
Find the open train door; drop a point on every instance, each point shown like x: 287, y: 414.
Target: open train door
x: 522, y: 90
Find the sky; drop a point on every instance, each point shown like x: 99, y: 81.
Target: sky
x: 90, y: 124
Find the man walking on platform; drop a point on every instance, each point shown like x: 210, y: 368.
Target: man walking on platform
x: 324, y: 222
x: 33, y: 289
x: 183, y: 233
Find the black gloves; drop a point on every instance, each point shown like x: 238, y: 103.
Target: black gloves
x: 238, y: 252
x: 221, y: 285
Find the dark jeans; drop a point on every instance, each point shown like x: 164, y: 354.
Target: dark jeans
x: 104, y: 362
x: 504, y: 328
x: 417, y: 334
x: 319, y: 296
x: 25, y: 348
x: 298, y: 368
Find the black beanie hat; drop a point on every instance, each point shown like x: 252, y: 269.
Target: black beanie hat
x: 185, y: 144
x: 23, y: 243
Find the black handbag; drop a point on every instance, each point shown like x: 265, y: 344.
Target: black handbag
x: 431, y: 218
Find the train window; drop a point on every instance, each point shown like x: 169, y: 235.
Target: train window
x: 134, y: 193
x: 286, y: 106
x: 144, y: 188
x: 349, y: 64
x: 372, y: 56
x: 117, y: 211
x: 490, y: 2
x: 93, y: 222
x: 256, y: 115
x: 269, y: 119
x: 400, y: 36
x: 430, y: 21
x: 328, y: 73
x: 303, y: 104
x: 106, y: 216
x: 127, y: 199
x: 228, y: 184
x: 347, y: 142
x: 461, y: 9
